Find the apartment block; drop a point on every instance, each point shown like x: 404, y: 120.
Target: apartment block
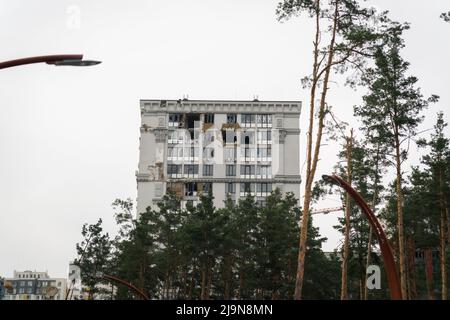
x: 229, y: 148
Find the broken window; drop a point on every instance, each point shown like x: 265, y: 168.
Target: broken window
x: 209, y: 118
x: 231, y: 118
x: 207, y: 187
x: 175, y: 119
x: 229, y: 136
x: 190, y: 189
x: 191, y: 118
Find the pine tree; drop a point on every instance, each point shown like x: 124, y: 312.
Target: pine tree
x: 390, y: 114
x: 351, y: 32
x: 437, y: 163
x: 94, y: 253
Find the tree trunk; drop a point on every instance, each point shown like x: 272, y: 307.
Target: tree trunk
x: 400, y: 229
x: 429, y: 272
x: 228, y: 275
x: 412, y: 268
x: 369, y: 251
x: 443, y: 259
x: 203, y: 283
x: 443, y: 239
x: 344, y: 291
x: 312, y: 164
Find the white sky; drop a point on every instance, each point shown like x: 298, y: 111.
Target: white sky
x: 69, y: 136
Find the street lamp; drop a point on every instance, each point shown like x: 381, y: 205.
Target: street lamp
x: 386, y: 251
x: 57, y: 60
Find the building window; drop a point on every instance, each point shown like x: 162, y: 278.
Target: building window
x: 247, y: 187
x: 247, y: 119
x: 247, y: 137
x: 230, y: 154
x: 264, y: 136
x: 190, y: 189
x: 231, y: 188
x: 209, y: 117
x: 208, y: 170
x: 264, y: 120
x: 30, y: 283
x: 263, y: 188
x: 231, y: 170
x: 173, y: 169
x: 264, y: 152
x: 261, y: 203
x: 191, y: 169
x: 247, y: 170
x: 207, y: 187
x: 231, y: 118
x: 264, y: 170
x: 229, y: 136
x: 175, y: 119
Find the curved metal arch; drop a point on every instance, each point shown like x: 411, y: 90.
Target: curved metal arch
x: 386, y: 251
x: 133, y: 288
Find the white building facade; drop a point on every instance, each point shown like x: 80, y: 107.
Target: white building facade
x: 231, y: 148
x: 32, y: 285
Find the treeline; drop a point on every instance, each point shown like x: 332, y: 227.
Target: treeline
x: 241, y: 251
x: 425, y: 202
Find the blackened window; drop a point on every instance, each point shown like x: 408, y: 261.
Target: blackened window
x: 207, y: 187
x: 231, y: 118
x: 209, y: 117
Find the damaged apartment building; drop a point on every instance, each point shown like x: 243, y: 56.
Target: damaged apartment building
x: 228, y: 148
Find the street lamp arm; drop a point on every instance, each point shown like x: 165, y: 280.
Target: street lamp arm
x: 57, y: 59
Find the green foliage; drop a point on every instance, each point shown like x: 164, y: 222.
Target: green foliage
x: 94, y: 254
x: 445, y: 16
x: 240, y: 251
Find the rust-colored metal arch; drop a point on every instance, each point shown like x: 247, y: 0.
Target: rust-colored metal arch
x: 127, y: 284
x: 386, y: 251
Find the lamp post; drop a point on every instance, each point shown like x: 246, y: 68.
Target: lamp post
x: 57, y: 60
x: 386, y: 251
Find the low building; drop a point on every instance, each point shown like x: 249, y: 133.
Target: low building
x: 76, y: 290
x: 2, y: 288
x: 32, y: 285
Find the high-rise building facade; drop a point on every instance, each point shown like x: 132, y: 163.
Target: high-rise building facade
x: 229, y: 148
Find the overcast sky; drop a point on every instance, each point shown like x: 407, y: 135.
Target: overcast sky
x: 69, y: 136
